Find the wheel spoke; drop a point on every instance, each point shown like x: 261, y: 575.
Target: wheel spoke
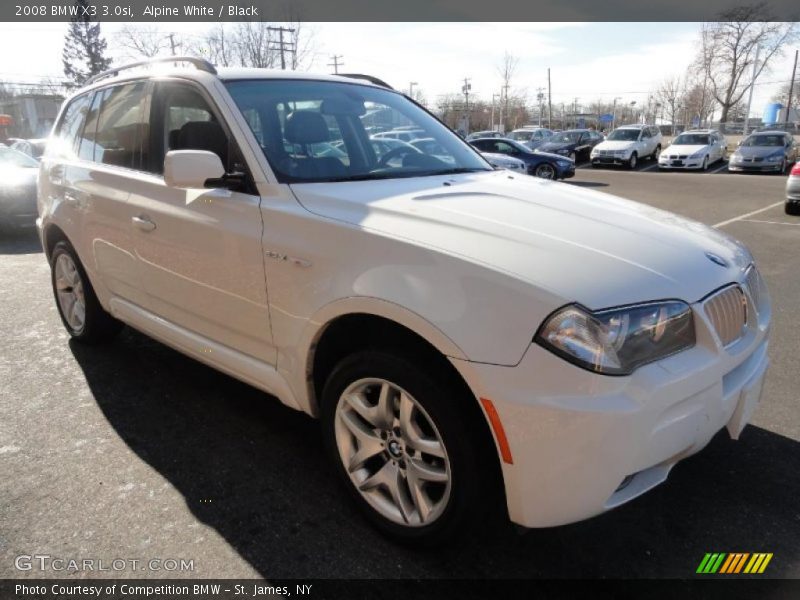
x: 360, y: 431
x: 411, y: 434
x: 426, y: 472
x: 418, y: 496
x: 366, y: 450
x: 358, y: 402
x: 61, y: 282
x: 385, y: 407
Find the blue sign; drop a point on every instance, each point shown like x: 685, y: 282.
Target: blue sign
x: 695, y: 121
x: 581, y: 123
x: 607, y: 118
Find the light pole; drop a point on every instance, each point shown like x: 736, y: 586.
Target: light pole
x: 614, y: 113
x: 633, y: 111
x: 411, y: 85
x: 494, y: 97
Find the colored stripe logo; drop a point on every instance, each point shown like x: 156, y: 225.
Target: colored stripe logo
x: 734, y: 563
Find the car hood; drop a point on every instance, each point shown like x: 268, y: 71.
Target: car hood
x: 687, y: 150
x: 580, y: 244
x: 753, y: 151
x: 615, y: 145
x: 550, y: 155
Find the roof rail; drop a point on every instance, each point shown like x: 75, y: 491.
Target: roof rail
x: 369, y: 78
x: 200, y: 63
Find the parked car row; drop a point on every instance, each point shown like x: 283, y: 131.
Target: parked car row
x: 540, y: 164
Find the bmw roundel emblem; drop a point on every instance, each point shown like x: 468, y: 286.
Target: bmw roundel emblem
x: 716, y: 259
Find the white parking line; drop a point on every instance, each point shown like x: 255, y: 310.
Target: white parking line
x: 724, y: 166
x: 586, y: 164
x: 650, y: 168
x: 771, y: 222
x: 744, y: 216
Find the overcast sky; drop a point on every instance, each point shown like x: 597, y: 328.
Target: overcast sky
x: 587, y: 60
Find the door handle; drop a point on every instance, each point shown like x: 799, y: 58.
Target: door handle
x: 143, y: 223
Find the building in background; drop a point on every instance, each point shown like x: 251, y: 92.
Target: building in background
x: 29, y: 115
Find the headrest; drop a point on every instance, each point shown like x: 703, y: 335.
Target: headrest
x: 203, y: 135
x: 306, y: 127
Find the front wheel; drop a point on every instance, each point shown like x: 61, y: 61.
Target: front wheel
x: 78, y: 306
x: 545, y: 171
x: 632, y: 161
x: 657, y: 153
x: 404, y: 446
x: 705, y: 164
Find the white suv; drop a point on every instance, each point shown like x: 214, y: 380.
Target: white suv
x: 470, y: 338
x: 627, y: 145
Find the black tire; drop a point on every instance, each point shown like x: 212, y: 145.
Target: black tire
x: 656, y: 153
x: 705, y: 164
x: 782, y: 170
x: 546, y: 171
x: 469, y: 455
x: 98, y: 326
x: 792, y: 208
x: 632, y: 161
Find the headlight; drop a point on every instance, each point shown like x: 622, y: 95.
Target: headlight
x: 775, y: 158
x: 564, y: 163
x: 620, y: 340
x: 698, y: 154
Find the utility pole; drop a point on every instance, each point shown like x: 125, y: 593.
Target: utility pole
x: 411, y: 85
x: 791, y: 90
x: 540, y: 98
x: 614, y: 113
x: 465, y: 89
x: 504, y: 91
x: 575, y: 113
x: 283, y: 46
x: 494, y: 96
x: 750, y: 95
x: 336, y: 63
x: 171, y: 37
x: 549, y: 102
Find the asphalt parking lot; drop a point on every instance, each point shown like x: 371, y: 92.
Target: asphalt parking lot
x: 134, y: 451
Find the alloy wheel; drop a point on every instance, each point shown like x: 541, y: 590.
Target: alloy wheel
x: 545, y: 171
x: 392, y: 452
x: 70, y: 292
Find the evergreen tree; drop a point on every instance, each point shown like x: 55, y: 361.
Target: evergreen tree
x: 84, y: 48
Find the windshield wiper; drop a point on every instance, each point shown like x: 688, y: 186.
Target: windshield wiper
x: 454, y: 171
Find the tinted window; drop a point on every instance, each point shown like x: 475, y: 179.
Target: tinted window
x: 86, y: 142
x: 187, y: 122
x: 121, y: 128
x: 70, y: 126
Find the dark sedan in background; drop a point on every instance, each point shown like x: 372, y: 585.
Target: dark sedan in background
x: 765, y: 151
x: 539, y: 164
x: 577, y: 144
x: 18, y: 174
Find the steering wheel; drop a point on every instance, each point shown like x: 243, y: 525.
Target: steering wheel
x: 395, y: 153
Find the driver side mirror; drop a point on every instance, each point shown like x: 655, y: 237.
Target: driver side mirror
x: 191, y: 168
x: 198, y: 169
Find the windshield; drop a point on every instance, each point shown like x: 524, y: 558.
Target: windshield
x: 765, y: 140
x: 12, y: 158
x: 313, y: 131
x: 624, y: 135
x: 570, y: 137
x: 692, y: 139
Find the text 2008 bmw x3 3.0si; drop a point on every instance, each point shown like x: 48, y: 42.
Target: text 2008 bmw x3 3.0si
x: 455, y: 327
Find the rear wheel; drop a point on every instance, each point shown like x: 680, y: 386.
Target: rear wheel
x: 78, y: 306
x: 545, y: 171
x: 404, y: 447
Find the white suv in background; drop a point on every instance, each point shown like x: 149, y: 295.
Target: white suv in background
x: 470, y: 338
x: 627, y: 145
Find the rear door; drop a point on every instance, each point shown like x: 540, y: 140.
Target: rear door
x: 199, y: 250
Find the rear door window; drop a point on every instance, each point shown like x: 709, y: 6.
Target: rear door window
x: 121, y: 127
x: 68, y: 131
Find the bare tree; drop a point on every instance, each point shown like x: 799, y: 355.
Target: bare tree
x: 142, y: 41
x: 669, y: 95
x: 728, y: 50
x: 217, y: 45
x: 506, y: 70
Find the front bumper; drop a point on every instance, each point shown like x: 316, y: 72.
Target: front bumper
x: 761, y: 167
x: 610, y: 160
x: 584, y: 443
x: 686, y: 163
